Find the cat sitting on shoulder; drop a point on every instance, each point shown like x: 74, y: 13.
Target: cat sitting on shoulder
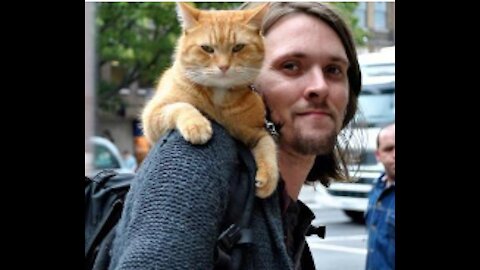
x: 218, y: 56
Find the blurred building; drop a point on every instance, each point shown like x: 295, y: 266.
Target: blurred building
x: 378, y: 18
x: 123, y: 126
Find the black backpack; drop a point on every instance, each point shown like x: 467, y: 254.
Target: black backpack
x: 104, y: 200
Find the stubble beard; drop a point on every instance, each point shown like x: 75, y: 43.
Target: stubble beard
x: 320, y: 144
x: 390, y: 172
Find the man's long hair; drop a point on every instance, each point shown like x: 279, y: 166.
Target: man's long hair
x: 332, y: 166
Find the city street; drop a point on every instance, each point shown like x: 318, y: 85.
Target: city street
x: 344, y: 246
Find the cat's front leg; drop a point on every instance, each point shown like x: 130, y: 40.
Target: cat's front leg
x: 189, y: 121
x: 265, y: 155
x: 192, y: 125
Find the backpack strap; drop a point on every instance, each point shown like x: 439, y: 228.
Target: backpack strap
x: 104, y: 225
x: 234, y: 241
x: 102, y: 177
x: 104, y: 234
x: 104, y: 199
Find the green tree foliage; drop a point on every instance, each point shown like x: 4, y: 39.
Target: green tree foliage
x: 346, y: 10
x: 138, y: 39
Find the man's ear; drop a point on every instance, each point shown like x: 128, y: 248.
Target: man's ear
x: 377, y: 155
x: 187, y: 15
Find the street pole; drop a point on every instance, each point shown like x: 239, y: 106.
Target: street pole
x: 89, y: 83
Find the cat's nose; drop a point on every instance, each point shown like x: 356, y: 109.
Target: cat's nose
x: 224, y: 68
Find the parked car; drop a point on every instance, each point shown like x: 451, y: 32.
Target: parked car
x: 106, y: 156
x: 352, y: 197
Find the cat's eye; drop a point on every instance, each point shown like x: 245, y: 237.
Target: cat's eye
x: 207, y: 48
x: 238, y: 47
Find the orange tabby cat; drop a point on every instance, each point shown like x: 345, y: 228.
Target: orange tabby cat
x: 218, y: 56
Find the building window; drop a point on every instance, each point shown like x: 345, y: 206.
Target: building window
x: 361, y: 13
x: 380, y: 22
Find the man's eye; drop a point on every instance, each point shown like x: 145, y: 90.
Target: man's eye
x: 207, y: 48
x: 334, y: 70
x: 291, y: 66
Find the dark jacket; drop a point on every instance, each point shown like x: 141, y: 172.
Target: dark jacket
x: 177, y: 201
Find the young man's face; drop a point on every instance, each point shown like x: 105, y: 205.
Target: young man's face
x: 304, y: 82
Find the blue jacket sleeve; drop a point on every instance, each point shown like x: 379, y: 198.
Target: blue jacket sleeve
x: 175, y: 205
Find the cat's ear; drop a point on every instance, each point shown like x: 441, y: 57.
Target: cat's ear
x: 255, y: 16
x: 187, y: 15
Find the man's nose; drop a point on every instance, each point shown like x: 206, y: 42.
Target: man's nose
x: 317, y: 87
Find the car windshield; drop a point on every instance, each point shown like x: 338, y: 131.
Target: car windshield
x: 363, y: 158
x: 104, y: 158
x: 376, y: 102
x: 376, y: 105
x: 375, y: 70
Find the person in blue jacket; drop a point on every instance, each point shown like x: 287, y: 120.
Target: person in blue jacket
x: 380, y: 215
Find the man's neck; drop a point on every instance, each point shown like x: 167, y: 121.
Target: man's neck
x: 294, y: 169
x: 388, y: 180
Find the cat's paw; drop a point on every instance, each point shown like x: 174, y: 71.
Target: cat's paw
x: 196, y: 130
x: 266, y: 181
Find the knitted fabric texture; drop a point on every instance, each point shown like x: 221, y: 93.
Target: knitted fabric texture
x: 176, y: 203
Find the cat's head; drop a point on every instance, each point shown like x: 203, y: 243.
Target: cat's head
x: 221, y: 48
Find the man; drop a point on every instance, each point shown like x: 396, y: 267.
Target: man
x: 380, y: 215
x: 310, y: 81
